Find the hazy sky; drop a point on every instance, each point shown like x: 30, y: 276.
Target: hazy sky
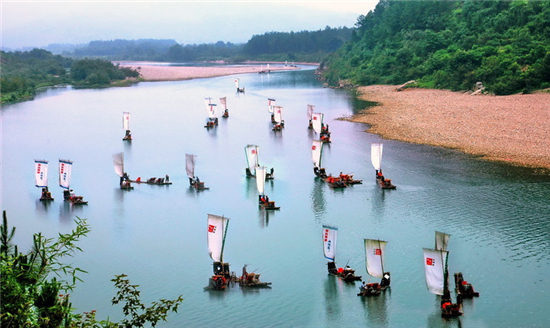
x: 41, y: 22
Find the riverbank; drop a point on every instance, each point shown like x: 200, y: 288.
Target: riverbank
x: 150, y: 72
x: 514, y: 129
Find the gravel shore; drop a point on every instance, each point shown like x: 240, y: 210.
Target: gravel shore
x: 174, y: 73
x: 514, y: 129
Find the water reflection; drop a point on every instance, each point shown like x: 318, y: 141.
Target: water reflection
x: 118, y: 194
x: 277, y: 136
x: 264, y: 217
x: 376, y: 308
x: 42, y: 207
x: 250, y: 188
x: 318, y: 202
x: 68, y: 211
x: 215, y: 294
x: 191, y: 191
x: 378, y: 198
x: 332, y: 299
x: 128, y: 148
x: 213, y: 132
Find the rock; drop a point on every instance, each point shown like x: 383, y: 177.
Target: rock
x: 410, y: 83
x: 477, y: 92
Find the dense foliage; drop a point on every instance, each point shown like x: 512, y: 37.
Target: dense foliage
x: 98, y: 72
x: 34, y: 286
x: 449, y: 44
x: 24, y: 72
x: 194, y: 52
x: 297, y: 45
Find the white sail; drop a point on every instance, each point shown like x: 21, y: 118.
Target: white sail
x: 270, y: 104
x: 208, y: 106
x: 316, y: 152
x: 329, y: 242
x: 317, y: 121
x: 190, y: 165
x: 441, y: 240
x: 278, y: 114
x: 215, y: 234
x: 126, y: 121
x: 223, y: 101
x: 434, y: 265
x: 41, y: 173
x: 374, y: 256
x: 260, y: 179
x: 65, y: 170
x: 376, y: 155
x: 118, y: 162
x: 207, y: 101
x: 210, y: 110
x: 251, y: 152
x: 310, y: 109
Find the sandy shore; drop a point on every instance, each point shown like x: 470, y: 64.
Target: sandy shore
x: 173, y: 73
x: 513, y: 129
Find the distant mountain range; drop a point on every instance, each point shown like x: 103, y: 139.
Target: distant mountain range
x: 292, y: 46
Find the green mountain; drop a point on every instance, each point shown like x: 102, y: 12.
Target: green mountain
x: 449, y: 44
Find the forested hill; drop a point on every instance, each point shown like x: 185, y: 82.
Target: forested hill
x: 141, y: 49
x: 304, y: 45
x: 291, y: 46
x: 449, y: 44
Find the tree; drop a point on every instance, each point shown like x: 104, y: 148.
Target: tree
x: 30, y: 298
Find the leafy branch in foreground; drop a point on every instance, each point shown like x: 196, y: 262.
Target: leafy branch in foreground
x: 29, y: 297
x: 32, y: 298
x: 130, y: 296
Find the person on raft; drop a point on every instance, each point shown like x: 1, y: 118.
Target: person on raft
x: 46, y: 195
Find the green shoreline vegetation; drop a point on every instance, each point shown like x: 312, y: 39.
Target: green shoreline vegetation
x: 35, y: 286
x: 24, y: 73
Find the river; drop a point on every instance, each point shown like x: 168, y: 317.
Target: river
x: 497, y: 215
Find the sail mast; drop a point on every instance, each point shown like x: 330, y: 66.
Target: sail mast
x: 381, y: 257
x: 446, y: 291
x: 224, y: 233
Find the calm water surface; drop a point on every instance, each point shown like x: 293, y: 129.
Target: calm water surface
x: 497, y: 215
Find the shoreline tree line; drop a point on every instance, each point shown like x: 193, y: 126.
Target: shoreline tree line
x: 25, y: 72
